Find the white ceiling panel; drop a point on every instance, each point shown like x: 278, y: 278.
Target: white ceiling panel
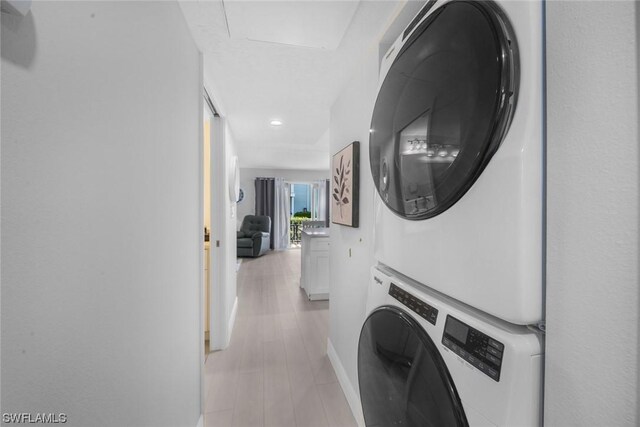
x: 312, y: 24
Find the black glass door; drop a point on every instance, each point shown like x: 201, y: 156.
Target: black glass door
x: 443, y: 108
x: 402, y: 377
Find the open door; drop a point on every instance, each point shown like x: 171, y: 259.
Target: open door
x: 221, y: 300
x: 206, y: 283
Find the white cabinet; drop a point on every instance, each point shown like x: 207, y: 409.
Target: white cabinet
x: 315, y: 263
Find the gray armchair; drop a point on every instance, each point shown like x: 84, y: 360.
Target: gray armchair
x: 254, y: 236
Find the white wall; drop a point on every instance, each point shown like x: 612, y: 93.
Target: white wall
x: 101, y: 228
x: 352, y: 248
x: 592, y: 238
x: 247, y: 183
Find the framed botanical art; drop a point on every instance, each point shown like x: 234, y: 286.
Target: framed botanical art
x: 345, y: 185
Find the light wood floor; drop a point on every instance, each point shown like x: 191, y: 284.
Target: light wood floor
x: 276, y: 371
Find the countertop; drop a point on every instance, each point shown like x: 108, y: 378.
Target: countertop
x: 316, y: 232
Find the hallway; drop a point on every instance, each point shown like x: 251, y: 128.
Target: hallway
x: 276, y: 371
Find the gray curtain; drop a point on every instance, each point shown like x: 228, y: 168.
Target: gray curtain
x: 265, y: 201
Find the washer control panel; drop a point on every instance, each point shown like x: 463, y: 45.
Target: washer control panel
x: 416, y: 305
x: 477, y: 348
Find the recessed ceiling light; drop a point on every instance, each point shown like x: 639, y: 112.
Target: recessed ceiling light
x: 276, y: 123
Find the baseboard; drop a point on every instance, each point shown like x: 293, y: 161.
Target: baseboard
x: 347, y: 388
x: 200, y: 421
x: 232, y: 321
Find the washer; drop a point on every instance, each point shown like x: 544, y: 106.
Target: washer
x: 456, y: 154
x: 427, y: 360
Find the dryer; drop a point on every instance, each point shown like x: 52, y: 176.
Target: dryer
x: 456, y: 155
x: 427, y: 360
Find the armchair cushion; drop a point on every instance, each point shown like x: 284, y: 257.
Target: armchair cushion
x: 260, y: 235
x: 245, y: 242
x: 254, y: 236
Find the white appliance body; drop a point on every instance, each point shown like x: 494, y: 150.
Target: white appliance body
x: 485, y: 250
x: 516, y: 398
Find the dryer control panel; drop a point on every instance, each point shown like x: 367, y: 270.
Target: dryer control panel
x: 416, y: 305
x: 477, y: 348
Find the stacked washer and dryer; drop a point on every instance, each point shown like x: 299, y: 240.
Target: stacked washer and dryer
x: 455, y: 301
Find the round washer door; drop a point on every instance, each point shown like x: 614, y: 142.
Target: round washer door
x: 443, y: 108
x: 402, y: 377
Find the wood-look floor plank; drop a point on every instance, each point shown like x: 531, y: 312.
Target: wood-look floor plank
x: 278, y: 407
x: 219, y: 418
x: 222, y: 391
x: 252, y: 356
x: 336, y: 406
x: 271, y: 328
x: 275, y: 371
x: 249, y: 407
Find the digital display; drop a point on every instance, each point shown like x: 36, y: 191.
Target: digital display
x: 474, y: 347
x: 457, y: 330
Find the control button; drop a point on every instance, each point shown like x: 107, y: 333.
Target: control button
x: 493, y: 351
x: 496, y: 344
x: 494, y: 359
x: 493, y: 373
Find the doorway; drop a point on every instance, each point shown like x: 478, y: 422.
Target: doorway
x: 206, y: 185
x: 300, y: 210
x: 308, y: 204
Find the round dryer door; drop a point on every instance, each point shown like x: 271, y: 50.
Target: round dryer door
x: 402, y: 376
x: 443, y: 108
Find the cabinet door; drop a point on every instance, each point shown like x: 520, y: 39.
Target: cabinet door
x: 306, y: 263
x: 319, y: 278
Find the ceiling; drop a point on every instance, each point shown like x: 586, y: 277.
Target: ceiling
x: 284, y: 60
